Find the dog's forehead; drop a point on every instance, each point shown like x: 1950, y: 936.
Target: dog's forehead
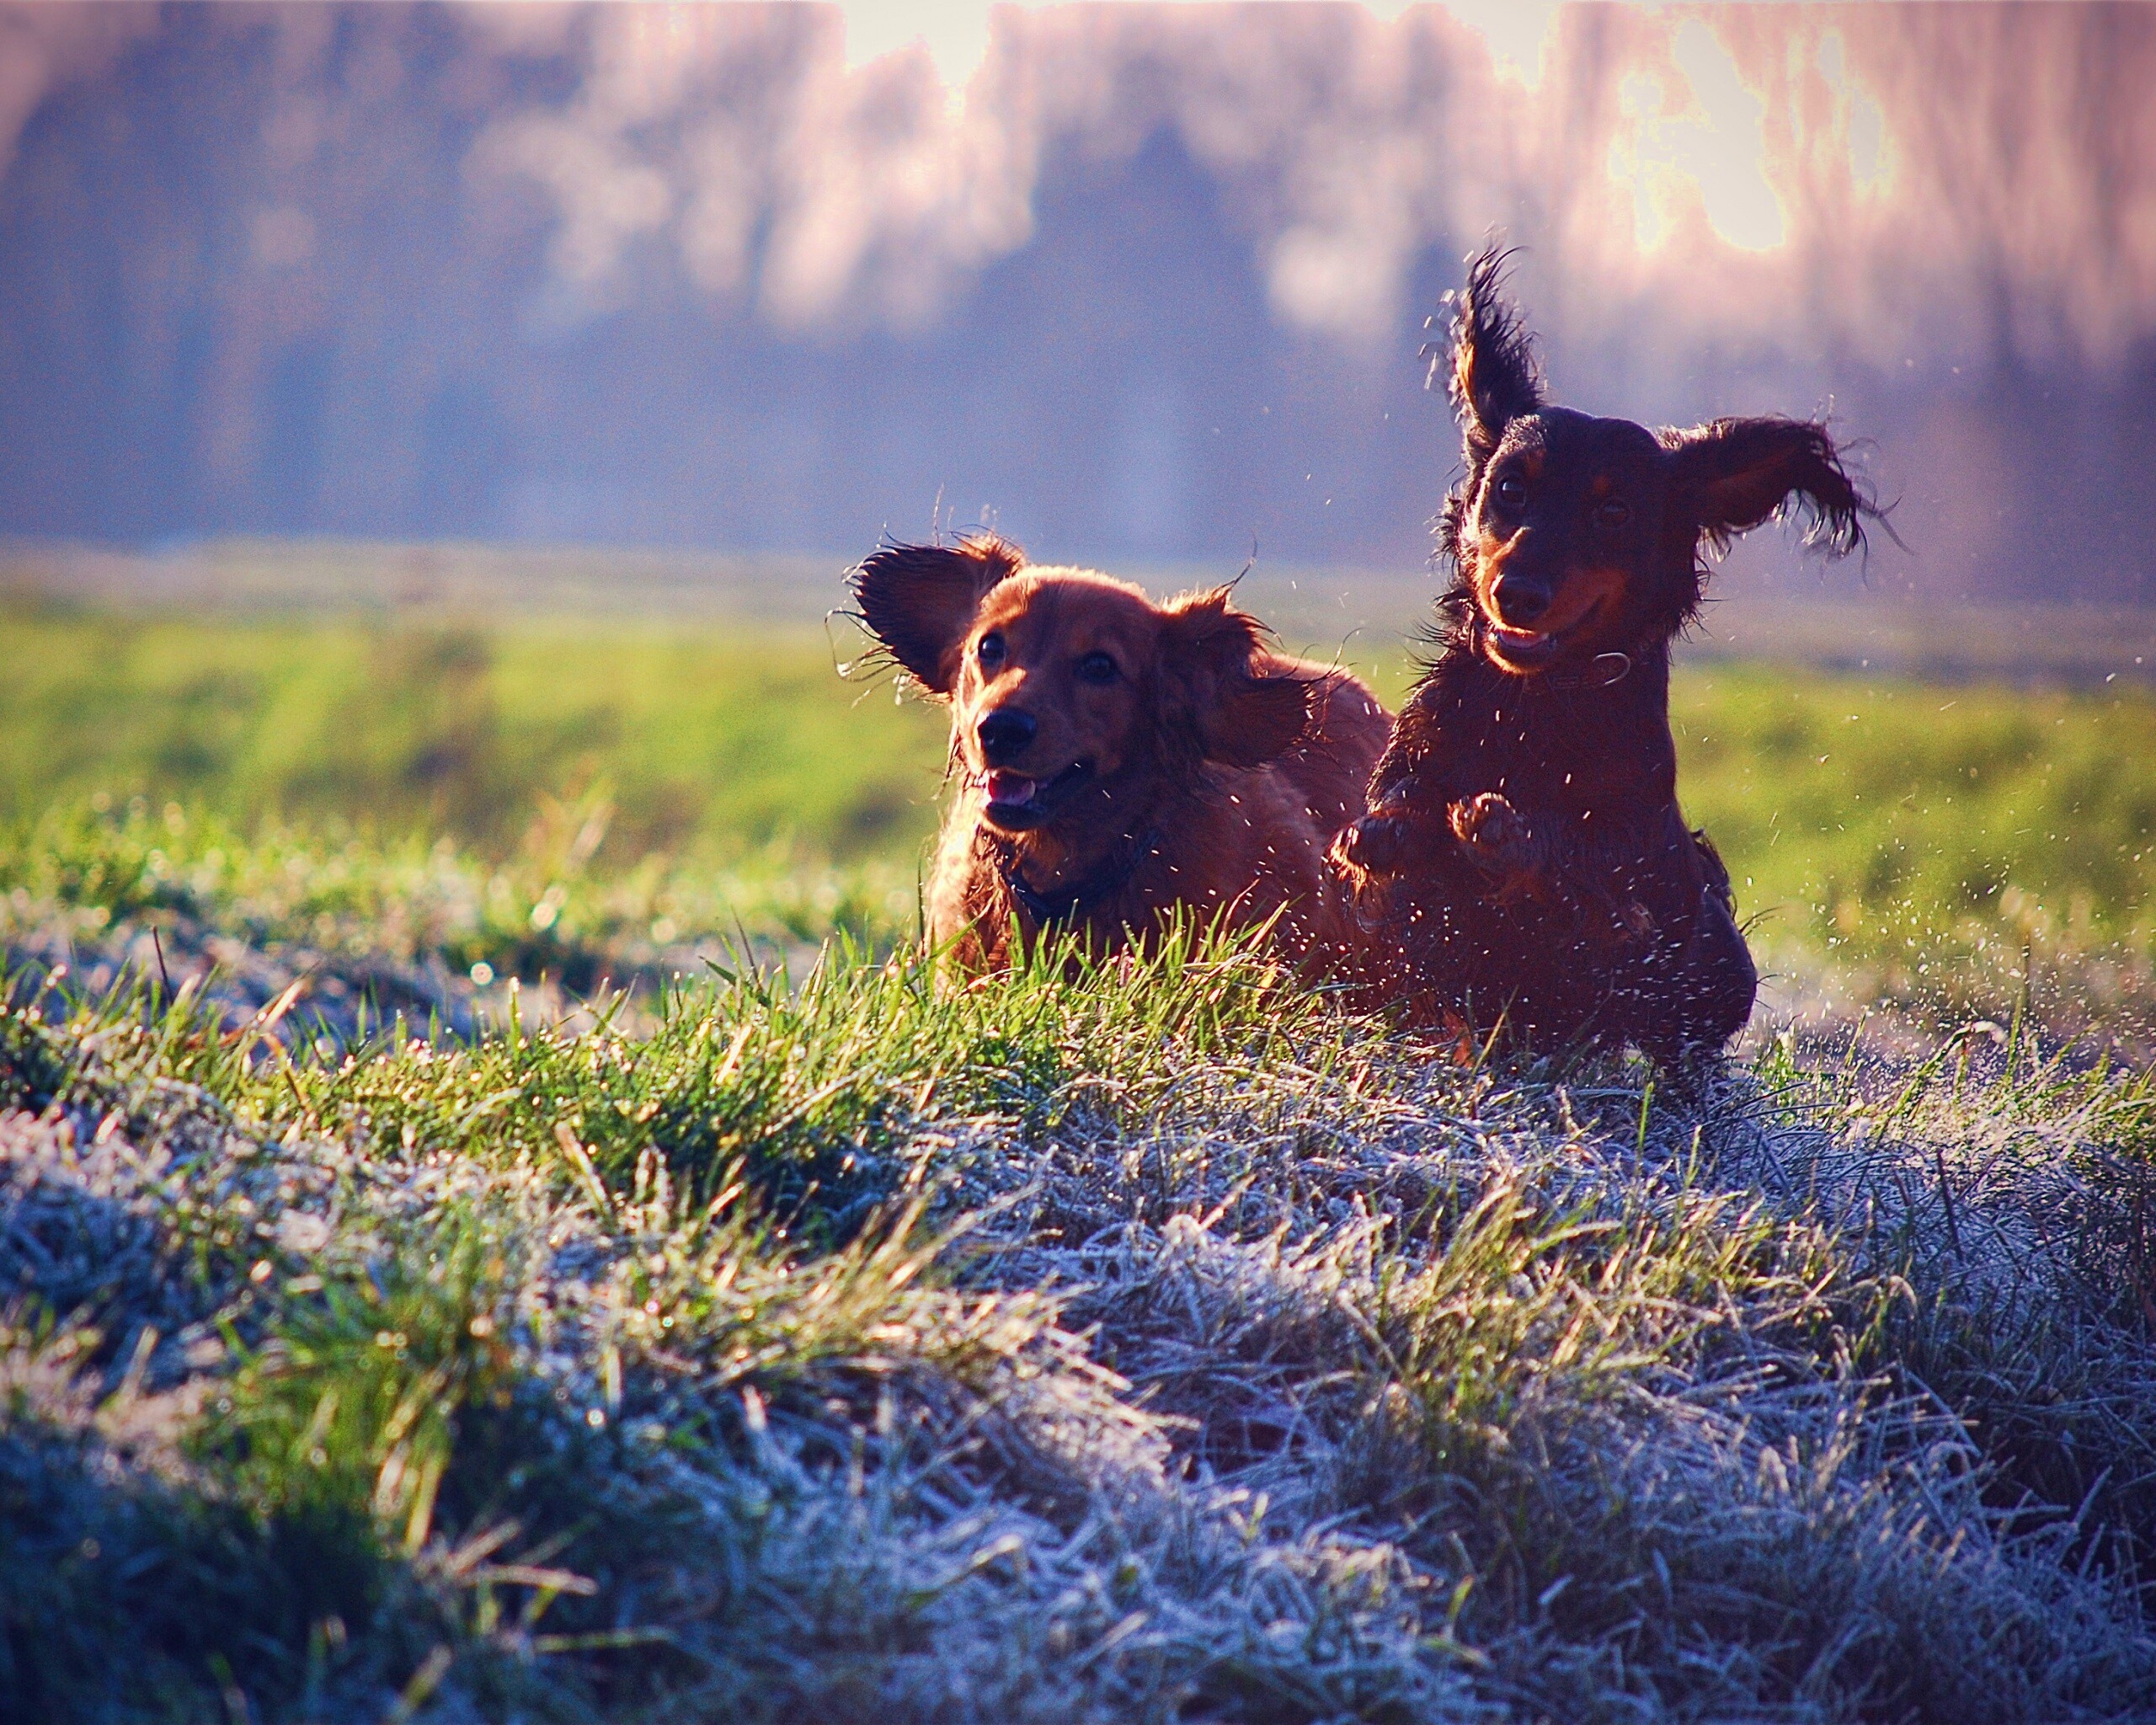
x: 1039, y: 605
x: 1625, y: 443
x: 1561, y: 437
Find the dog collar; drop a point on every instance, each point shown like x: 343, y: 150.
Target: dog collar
x: 1602, y: 670
x: 1049, y: 909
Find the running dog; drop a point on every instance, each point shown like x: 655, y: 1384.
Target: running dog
x: 1117, y: 759
x: 1523, y: 858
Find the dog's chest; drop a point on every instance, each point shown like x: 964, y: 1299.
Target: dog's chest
x: 1553, y: 757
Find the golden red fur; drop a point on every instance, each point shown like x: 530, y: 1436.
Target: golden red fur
x: 1117, y: 759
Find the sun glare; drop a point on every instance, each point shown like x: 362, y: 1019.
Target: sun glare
x: 1517, y: 34
x: 1699, y: 144
x: 952, y: 33
x: 1863, y: 120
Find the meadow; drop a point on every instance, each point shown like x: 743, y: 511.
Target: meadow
x: 402, y: 1323
x: 551, y: 792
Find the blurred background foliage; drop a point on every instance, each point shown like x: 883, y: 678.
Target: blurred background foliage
x: 697, y: 738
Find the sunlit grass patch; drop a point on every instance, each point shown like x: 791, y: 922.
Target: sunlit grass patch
x: 701, y: 738
x: 1148, y: 1341
x: 375, y: 929
x: 1922, y: 843
x: 611, y: 798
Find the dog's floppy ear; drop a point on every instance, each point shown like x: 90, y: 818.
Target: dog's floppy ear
x: 919, y: 599
x: 1494, y: 378
x: 1731, y: 476
x: 1210, y: 686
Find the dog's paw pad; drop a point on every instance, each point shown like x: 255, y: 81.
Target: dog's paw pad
x: 1371, y: 845
x: 1490, y: 824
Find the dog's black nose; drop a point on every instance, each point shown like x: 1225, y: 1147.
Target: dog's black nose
x: 1519, y: 601
x: 1004, y: 734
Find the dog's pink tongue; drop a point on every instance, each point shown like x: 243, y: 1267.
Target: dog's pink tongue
x: 1008, y: 787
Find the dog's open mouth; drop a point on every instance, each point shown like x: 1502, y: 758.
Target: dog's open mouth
x: 1531, y: 649
x: 1016, y: 801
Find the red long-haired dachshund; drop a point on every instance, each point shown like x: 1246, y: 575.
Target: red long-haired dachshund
x: 1117, y: 759
x: 1524, y: 856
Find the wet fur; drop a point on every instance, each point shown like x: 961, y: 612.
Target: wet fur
x: 1524, y: 857
x: 1221, y: 768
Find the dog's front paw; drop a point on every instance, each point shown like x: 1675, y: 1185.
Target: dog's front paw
x: 1628, y: 931
x: 1371, y: 846
x: 1496, y: 835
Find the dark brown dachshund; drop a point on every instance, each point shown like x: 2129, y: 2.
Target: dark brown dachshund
x: 1524, y: 854
x: 1120, y: 758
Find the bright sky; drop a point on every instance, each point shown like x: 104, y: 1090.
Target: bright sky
x: 1713, y: 143
x: 955, y: 32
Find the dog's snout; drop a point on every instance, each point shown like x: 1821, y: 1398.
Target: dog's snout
x: 1005, y: 734
x: 1519, y: 600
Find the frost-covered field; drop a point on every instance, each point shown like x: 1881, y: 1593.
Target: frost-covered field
x: 396, y: 1322
x: 1163, y: 1344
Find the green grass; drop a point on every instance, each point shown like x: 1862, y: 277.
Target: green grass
x: 1925, y: 837
x: 1155, y: 1344
x: 709, y: 738
x: 398, y: 1323
x: 415, y: 925
x: 1895, y: 842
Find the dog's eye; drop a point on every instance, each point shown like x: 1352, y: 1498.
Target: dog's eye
x: 1510, y: 494
x: 1613, y: 514
x: 1096, y: 668
x: 989, y: 652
